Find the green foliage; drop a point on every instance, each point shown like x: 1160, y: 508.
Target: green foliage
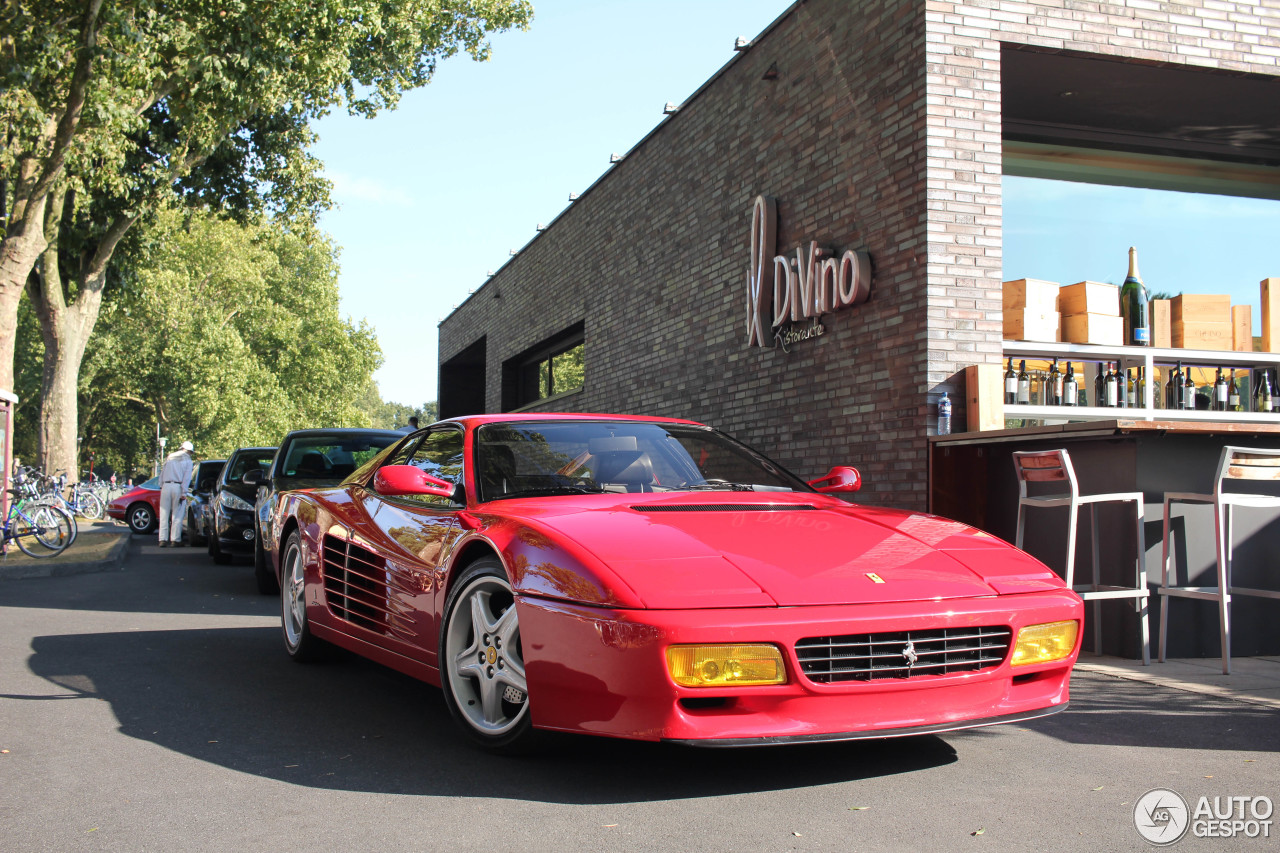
x: 388, y: 415
x: 233, y: 338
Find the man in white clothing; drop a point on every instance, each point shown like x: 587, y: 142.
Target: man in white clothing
x: 174, y: 475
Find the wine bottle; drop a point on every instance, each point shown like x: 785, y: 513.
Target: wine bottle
x: 1100, y: 387
x: 1233, y: 395
x: 1188, y: 391
x: 1122, y: 386
x: 1133, y: 306
x: 1140, y: 389
x: 1010, y: 384
x: 1173, y: 390
x: 1055, y: 386
x: 1131, y: 390
x: 1111, y: 399
x: 1070, y: 390
x: 1264, y: 392
x: 1024, y: 383
x: 1219, y: 392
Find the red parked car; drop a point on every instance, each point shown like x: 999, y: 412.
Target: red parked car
x: 654, y: 579
x: 139, y: 507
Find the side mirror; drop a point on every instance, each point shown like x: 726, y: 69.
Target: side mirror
x: 254, y: 477
x: 392, y: 480
x: 841, y: 478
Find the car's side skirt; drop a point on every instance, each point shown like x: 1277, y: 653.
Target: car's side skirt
x: 378, y: 654
x: 936, y: 728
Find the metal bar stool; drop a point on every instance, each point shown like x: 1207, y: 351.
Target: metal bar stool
x: 1054, y: 466
x: 1236, y: 463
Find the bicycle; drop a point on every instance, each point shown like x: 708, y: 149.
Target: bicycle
x: 48, y: 526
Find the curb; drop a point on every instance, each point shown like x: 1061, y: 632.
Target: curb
x: 42, y: 569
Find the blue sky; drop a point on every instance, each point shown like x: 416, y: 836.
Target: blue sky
x: 435, y: 194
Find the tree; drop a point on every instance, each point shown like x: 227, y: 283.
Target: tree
x: 231, y: 337
x: 109, y: 108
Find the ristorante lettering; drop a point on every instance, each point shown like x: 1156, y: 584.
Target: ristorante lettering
x: 782, y: 290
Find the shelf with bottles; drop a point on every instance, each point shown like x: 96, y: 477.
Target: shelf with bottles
x: 1146, y: 372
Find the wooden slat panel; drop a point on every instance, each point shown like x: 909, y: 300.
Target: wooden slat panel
x: 1255, y: 459
x: 1043, y: 475
x: 1237, y: 472
x: 1040, y: 460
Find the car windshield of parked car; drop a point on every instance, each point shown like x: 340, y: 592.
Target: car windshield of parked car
x: 153, y: 484
x: 569, y: 457
x: 246, y: 462
x: 326, y: 457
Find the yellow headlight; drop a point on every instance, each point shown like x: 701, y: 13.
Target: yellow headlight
x: 1044, y: 643
x: 726, y: 666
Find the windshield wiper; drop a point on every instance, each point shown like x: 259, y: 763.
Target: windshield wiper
x: 720, y: 487
x: 545, y: 491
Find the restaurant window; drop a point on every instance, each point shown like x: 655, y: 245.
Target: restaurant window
x: 553, y: 368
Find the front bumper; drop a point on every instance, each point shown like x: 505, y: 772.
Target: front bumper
x: 236, y: 531
x: 598, y: 671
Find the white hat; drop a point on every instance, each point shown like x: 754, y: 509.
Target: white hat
x: 188, y: 446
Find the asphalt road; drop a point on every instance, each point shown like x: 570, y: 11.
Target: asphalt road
x: 154, y: 709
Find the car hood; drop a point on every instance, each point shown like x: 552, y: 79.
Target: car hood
x: 791, y: 550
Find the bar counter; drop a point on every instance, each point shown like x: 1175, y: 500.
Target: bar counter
x: 971, y: 479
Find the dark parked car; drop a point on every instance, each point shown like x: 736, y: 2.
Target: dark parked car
x: 199, y: 493
x: 233, y: 527
x: 309, y: 458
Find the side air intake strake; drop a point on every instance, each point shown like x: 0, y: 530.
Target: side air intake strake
x: 355, y: 587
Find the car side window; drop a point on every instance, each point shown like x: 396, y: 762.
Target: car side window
x: 439, y: 454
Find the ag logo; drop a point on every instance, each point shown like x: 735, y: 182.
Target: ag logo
x: 1161, y: 816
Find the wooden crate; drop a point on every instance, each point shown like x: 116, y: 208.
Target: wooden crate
x: 1200, y: 308
x: 1270, y: 314
x: 1029, y: 324
x: 1242, y: 328
x: 1102, y: 329
x: 1089, y: 297
x: 1194, y: 335
x: 1032, y: 294
x: 1161, y: 328
x: 984, y: 397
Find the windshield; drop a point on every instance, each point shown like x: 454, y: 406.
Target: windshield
x: 153, y: 484
x: 568, y: 457
x: 327, y: 457
x: 250, y: 461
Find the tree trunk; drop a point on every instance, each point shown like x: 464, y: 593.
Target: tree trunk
x: 66, y: 327
x: 18, y: 254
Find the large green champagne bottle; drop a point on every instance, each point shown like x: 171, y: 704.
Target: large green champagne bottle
x: 1134, y: 306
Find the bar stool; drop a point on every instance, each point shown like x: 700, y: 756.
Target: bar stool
x: 1236, y: 463
x: 1054, y: 466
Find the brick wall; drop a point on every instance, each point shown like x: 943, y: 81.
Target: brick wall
x: 881, y: 132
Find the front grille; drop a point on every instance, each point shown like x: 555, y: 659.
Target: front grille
x: 725, y: 508
x: 355, y: 584
x: 872, y: 657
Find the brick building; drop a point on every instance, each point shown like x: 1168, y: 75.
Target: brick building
x: 879, y: 129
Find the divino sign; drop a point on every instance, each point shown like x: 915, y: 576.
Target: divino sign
x: 784, y: 291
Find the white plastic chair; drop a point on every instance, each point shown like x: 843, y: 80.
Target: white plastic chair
x: 1236, y: 463
x: 1054, y: 466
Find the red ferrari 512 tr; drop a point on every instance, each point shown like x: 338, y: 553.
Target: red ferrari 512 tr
x: 655, y: 579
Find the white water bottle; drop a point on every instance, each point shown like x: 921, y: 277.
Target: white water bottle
x: 944, y: 415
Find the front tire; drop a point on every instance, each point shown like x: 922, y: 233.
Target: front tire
x: 141, y: 518
x: 262, y: 572
x: 299, y: 642
x: 221, y: 557
x: 482, y: 660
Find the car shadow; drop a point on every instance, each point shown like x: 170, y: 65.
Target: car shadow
x: 153, y: 580
x: 231, y: 697
x: 1112, y: 711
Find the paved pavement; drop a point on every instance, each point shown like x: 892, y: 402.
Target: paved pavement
x: 153, y: 709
